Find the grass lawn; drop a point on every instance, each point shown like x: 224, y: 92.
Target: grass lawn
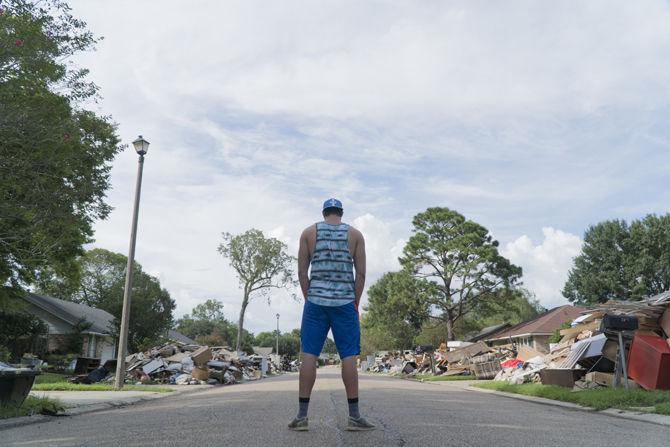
x: 599, y: 399
x: 51, y: 378
x: 58, y: 382
x: 31, y: 406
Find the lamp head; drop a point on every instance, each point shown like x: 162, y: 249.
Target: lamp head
x: 141, y: 145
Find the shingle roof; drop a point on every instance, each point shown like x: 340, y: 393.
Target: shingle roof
x: 179, y: 337
x: 545, y: 323
x: 488, y: 331
x: 71, y: 312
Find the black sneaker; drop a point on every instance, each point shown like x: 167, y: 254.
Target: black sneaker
x: 359, y: 424
x: 298, y: 424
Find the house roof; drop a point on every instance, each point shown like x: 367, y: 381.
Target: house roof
x: 179, y: 337
x: 72, y: 313
x: 488, y: 331
x: 545, y: 323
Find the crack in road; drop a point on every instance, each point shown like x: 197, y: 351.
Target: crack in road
x: 339, y: 435
x: 389, y: 432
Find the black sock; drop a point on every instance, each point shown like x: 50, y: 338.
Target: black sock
x: 353, y: 408
x: 303, y: 405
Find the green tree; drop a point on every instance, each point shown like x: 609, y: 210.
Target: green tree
x: 622, y: 262
x: 55, y: 156
x: 374, y: 338
x: 648, y: 256
x: 459, y: 260
x: 515, y: 306
x: 518, y: 305
x: 261, y: 264
x: 289, y: 342
x: 397, y: 307
x: 599, y: 272
x: 100, y: 283
x: 20, y: 332
x: 208, y: 325
x: 206, y: 319
x: 210, y: 310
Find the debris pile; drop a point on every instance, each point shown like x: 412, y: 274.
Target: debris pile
x: 469, y: 359
x: 587, y: 355
x: 181, y: 364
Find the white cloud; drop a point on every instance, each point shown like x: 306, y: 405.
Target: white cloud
x: 546, y: 265
x: 519, y: 115
x: 353, y: 59
x: 381, y: 248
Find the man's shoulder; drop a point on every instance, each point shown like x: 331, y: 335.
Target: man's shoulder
x: 309, y: 230
x: 354, y: 232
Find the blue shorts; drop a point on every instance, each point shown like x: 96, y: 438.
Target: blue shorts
x: 343, y: 320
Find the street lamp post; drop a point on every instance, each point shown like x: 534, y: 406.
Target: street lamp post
x: 278, y: 338
x: 141, y: 147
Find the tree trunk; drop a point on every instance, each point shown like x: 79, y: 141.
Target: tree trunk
x: 240, y: 322
x: 450, y: 327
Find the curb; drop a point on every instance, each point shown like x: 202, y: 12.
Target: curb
x: 651, y: 418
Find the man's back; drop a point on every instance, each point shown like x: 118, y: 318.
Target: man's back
x: 309, y: 239
x: 332, y: 290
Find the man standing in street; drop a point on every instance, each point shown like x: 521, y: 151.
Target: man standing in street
x: 332, y: 292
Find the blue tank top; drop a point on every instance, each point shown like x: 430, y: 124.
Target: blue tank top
x: 331, y: 281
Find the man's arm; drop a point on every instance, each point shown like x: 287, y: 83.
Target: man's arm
x: 359, y: 265
x: 303, y: 263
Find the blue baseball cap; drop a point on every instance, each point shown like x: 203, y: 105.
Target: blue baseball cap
x: 332, y: 203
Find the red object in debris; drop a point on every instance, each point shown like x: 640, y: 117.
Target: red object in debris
x: 649, y: 362
x: 511, y: 363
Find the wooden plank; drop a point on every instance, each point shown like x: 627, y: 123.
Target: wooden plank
x: 574, y: 331
x: 466, y: 352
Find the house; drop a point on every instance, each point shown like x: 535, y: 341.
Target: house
x: 178, y: 337
x: 487, y: 332
x: 65, y: 318
x: 535, y: 333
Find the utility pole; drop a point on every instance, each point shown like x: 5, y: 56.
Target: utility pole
x: 278, y: 359
x: 141, y: 147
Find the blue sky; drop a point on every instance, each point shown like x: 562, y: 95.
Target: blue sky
x: 535, y: 119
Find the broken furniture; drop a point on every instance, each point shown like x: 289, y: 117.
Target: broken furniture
x: 618, y: 324
x: 649, y: 362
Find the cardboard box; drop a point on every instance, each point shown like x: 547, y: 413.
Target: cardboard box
x: 561, y: 377
x: 601, y: 378
x: 200, y: 373
x: 610, y: 350
x: 201, y: 356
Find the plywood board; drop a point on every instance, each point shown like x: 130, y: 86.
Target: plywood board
x: 574, y: 331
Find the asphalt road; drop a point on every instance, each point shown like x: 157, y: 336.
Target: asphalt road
x: 407, y: 414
